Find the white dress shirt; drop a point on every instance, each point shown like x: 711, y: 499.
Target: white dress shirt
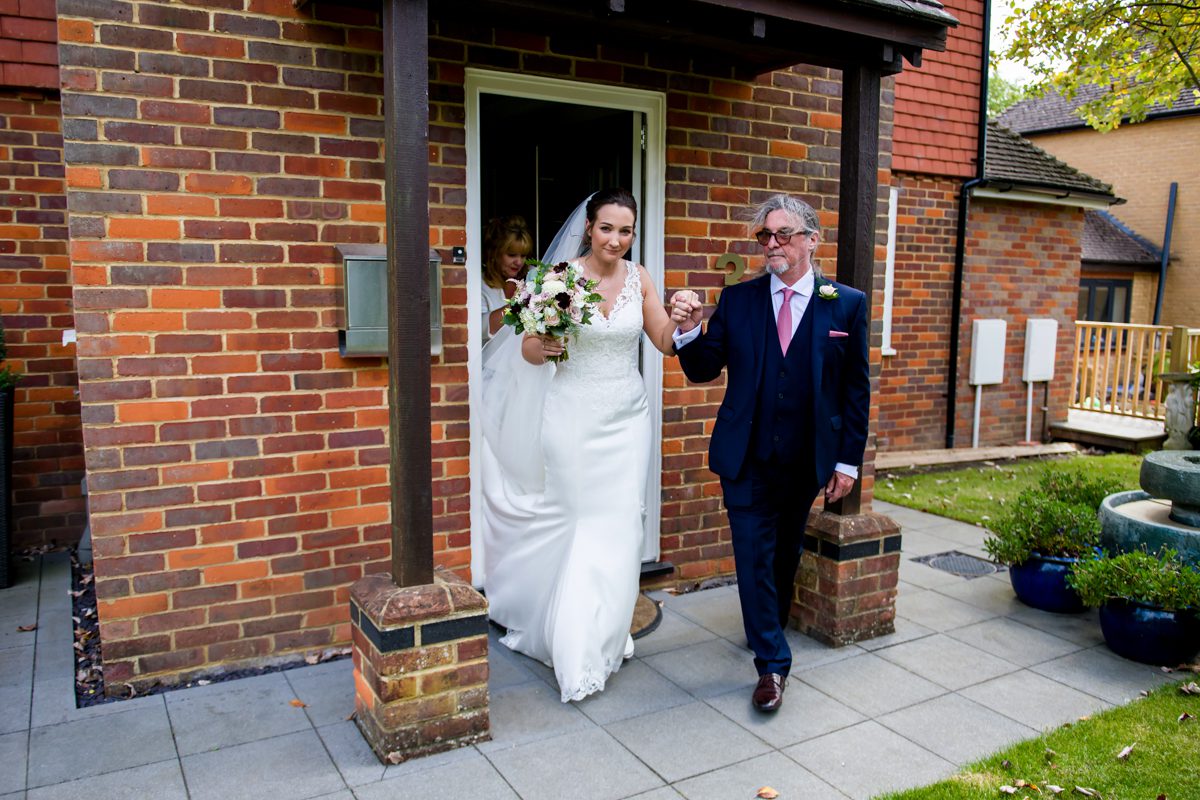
x: 802, y: 293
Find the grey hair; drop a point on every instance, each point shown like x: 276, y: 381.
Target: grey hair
x: 803, y: 215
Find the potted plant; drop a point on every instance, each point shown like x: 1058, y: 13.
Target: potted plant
x: 1148, y: 604
x: 8, y: 383
x: 1045, y: 532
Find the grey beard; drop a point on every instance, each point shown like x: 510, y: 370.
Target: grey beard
x: 778, y: 269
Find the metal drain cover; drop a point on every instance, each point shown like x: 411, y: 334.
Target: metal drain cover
x: 962, y: 564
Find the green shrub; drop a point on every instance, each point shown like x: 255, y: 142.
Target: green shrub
x: 1039, y: 523
x: 1162, y: 580
x: 1075, y: 487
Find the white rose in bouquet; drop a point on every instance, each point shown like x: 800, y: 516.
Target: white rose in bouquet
x: 553, y: 287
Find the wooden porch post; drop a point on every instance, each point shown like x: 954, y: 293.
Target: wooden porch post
x: 420, y: 636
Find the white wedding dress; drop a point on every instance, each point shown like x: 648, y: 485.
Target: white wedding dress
x: 562, y: 566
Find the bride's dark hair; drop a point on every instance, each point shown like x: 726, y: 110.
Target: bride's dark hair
x: 612, y: 196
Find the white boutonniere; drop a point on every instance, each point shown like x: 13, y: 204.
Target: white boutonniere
x: 827, y: 291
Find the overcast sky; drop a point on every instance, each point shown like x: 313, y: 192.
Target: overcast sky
x: 1008, y: 70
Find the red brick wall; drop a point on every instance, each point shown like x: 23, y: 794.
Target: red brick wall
x: 1023, y: 262
x: 937, y: 105
x: 28, y: 50
x: 912, y: 390
x: 35, y: 299
x: 238, y: 465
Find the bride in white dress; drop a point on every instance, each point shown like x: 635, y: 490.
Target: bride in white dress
x: 563, y: 531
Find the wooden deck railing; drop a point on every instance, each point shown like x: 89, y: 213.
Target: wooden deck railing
x: 1117, y: 367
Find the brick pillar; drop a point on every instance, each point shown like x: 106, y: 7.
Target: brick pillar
x: 846, y: 586
x: 420, y: 665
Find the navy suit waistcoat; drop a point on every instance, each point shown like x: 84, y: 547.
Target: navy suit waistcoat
x: 783, y: 415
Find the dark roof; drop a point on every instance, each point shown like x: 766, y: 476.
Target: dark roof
x: 1107, y: 240
x: 1054, y: 112
x: 1012, y: 158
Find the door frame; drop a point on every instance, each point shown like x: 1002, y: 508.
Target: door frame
x: 652, y: 208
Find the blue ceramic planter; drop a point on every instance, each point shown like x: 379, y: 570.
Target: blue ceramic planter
x: 1041, y: 582
x: 1148, y: 634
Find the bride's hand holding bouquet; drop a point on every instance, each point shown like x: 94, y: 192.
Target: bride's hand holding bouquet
x: 553, y: 300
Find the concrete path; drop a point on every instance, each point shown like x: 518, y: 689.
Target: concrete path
x: 968, y: 671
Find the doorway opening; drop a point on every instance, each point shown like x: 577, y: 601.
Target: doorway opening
x: 537, y: 147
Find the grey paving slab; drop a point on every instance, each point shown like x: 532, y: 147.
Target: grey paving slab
x: 10, y: 633
x: 504, y: 669
x: 806, y: 713
x: 1033, y: 700
x: 915, y: 542
x: 664, y: 793
x: 956, y: 728
x: 906, y: 631
x: 718, y: 610
x: 992, y: 596
x: 634, y: 690
x: 529, y: 712
x: 962, y: 533
x: 95, y: 745
x: 1082, y: 629
x: 14, y: 752
x: 15, y: 700
x: 16, y: 666
x: 214, y: 716
x: 808, y: 653
x: 1014, y: 642
x: 431, y: 762
x: 675, y: 631
x: 686, y: 740
x: 1104, y: 674
x: 471, y: 776
x: 344, y: 794
x: 586, y: 764
x: 161, y: 781
x: 351, y: 755
x: 935, y: 610
x: 54, y: 700
x: 909, y: 519
x: 925, y: 576
x: 744, y: 780
x: 947, y: 662
x: 868, y: 759
x: 326, y: 689
x: 870, y: 685
x: 293, y: 766
x: 707, y: 669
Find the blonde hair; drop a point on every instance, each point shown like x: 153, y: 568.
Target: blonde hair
x: 502, y: 235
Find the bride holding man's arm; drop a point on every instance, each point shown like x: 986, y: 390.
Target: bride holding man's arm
x: 567, y: 449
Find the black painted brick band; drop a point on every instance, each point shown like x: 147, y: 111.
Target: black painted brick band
x: 892, y: 544
x: 850, y: 552
x: 388, y: 641
x: 450, y: 629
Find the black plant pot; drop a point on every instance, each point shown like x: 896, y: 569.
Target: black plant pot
x: 1041, y: 582
x: 1150, y: 634
x: 6, y: 457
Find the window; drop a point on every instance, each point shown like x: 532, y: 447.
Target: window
x: 1104, y: 299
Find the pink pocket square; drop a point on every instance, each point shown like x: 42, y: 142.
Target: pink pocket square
x: 837, y: 334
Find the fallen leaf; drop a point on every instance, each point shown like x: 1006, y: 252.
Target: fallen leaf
x: 1052, y: 789
x: 350, y: 716
x: 1086, y: 792
x: 1085, y: 718
x: 767, y: 793
x: 1125, y: 751
x: 1190, y: 688
x: 1008, y: 789
x: 26, y: 628
x: 203, y: 682
x: 395, y: 757
x: 1049, y: 754
x: 1161, y: 797
x: 1006, y: 764
x: 1143, y: 693
x: 297, y: 703
x: 312, y: 658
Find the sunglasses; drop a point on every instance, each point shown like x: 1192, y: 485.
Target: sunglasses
x: 783, y: 237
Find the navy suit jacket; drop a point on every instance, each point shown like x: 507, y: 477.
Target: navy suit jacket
x: 736, y: 340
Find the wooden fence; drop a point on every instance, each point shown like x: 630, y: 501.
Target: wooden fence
x: 1118, y: 367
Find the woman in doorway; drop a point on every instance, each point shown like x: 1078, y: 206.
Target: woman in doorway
x: 563, y: 558
x: 506, y: 243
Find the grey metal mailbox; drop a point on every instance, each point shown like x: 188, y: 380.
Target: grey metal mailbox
x: 362, y: 317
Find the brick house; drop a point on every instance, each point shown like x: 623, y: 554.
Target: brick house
x: 1141, y: 161
x: 215, y: 158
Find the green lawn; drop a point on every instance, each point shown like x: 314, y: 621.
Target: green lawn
x: 978, y: 492
x: 1163, y: 761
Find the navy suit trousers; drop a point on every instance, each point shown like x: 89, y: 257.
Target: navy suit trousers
x: 768, y: 505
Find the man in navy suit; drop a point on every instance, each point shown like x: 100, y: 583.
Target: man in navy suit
x: 794, y: 417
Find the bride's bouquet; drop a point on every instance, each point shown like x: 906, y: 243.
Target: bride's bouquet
x: 553, y: 299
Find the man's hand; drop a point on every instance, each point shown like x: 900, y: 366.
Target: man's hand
x: 838, y: 487
x: 686, y: 310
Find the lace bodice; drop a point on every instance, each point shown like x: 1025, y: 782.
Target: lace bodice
x: 604, y: 354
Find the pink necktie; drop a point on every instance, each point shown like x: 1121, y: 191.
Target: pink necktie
x: 784, y: 321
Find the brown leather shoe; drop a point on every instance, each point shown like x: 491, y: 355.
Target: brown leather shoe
x: 768, y: 694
